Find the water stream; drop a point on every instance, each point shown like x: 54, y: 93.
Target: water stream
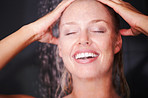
x: 51, y: 64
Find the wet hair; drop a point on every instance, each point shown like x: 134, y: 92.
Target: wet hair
x: 118, y: 78
x: 56, y: 80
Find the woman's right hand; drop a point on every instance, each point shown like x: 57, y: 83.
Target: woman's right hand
x: 42, y: 28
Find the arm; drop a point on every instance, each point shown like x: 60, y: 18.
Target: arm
x: 137, y: 20
x: 15, y: 96
x: 13, y: 44
x: 39, y: 30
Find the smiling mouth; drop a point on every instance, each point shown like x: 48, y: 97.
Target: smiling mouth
x: 85, y: 57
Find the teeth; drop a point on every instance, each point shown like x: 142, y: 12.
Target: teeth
x: 85, y: 55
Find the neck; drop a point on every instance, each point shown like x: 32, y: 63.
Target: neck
x: 93, y: 88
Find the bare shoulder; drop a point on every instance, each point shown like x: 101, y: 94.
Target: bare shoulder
x: 16, y: 96
x: 68, y: 96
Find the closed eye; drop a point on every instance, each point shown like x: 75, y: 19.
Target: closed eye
x: 70, y: 33
x: 98, y: 31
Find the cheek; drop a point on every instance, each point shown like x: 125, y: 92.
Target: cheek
x: 104, y: 43
x: 65, y: 48
x: 106, y: 47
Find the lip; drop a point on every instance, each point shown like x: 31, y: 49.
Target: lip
x: 85, y: 61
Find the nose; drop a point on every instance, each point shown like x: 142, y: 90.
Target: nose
x: 84, y: 39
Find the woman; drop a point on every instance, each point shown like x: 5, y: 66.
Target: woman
x: 87, y: 44
x: 79, y: 49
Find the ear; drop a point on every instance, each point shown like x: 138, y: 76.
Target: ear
x: 59, y: 48
x: 118, y: 43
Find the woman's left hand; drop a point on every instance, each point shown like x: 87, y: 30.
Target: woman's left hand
x: 137, y: 21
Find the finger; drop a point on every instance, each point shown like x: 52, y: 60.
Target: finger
x: 63, y: 5
x: 126, y: 32
x: 56, y: 13
x: 53, y: 40
x: 117, y: 5
x: 116, y: 1
x: 48, y: 38
x: 111, y: 3
x: 53, y: 16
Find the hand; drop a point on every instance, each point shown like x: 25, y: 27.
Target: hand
x: 42, y: 28
x: 132, y: 16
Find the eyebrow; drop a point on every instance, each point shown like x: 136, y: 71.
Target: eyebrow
x: 98, y: 20
x: 92, y: 21
x: 69, y: 23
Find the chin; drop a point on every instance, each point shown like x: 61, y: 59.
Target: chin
x: 90, y: 73
x: 87, y: 76
x: 93, y: 70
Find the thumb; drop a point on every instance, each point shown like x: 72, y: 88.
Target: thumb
x: 126, y: 32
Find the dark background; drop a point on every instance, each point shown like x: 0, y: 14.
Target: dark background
x: 21, y: 74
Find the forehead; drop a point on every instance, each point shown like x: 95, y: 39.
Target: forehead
x: 85, y: 11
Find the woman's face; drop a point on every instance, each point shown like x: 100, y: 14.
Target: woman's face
x: 87, y: 41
